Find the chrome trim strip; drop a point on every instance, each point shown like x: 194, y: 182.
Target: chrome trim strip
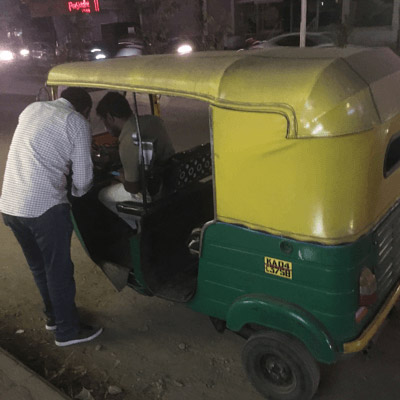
x: 210, y: 119
x: 214, y: 221
x: 203, y: 229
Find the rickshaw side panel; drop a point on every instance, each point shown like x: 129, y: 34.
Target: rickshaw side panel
x: 329, y: 190
x: 323, y: 282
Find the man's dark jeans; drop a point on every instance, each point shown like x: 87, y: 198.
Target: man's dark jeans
x: 46, y: 243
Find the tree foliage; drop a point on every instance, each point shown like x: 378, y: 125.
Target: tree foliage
x: 156, y: 16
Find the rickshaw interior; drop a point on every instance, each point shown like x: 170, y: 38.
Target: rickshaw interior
x: 156, y: 259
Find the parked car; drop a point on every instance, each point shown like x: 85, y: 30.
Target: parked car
x: 313, y: 39
x: 180, y: 45
x: 6, y: 54
x: 128, y: 47
x: 94, y: 51
x: 136, y: 47
x: 12, y: 53
x: 87, y: 51
x: 42, y: 53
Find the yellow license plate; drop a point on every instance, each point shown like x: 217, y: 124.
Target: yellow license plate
x: 279, y: 268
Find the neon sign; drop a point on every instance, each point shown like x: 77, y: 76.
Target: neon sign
x: 83, y: 6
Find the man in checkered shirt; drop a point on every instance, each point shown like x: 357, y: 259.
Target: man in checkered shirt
x: 52, y: 140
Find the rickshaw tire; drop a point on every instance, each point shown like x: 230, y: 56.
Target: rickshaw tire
x: 269, y: 347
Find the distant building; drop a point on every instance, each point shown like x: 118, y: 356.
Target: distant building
x: 372, y: 22
x: 82, y: 18
x: 215, y: 23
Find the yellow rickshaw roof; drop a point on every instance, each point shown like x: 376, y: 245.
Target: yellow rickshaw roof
x: 320, y: 91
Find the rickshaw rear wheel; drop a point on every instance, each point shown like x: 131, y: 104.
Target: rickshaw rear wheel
x: 280, y: 367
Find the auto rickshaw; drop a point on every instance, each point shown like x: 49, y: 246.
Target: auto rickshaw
x: 285, y: 227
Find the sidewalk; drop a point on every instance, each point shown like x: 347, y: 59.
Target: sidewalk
x: 17, y: 382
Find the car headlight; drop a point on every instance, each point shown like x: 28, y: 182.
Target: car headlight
x: 184, y: 49
x: 100, y: 56
x: 24, y: 52
x: 6, y: 55
x: 95, y: 50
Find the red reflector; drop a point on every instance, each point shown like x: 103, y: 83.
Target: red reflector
x: 368, y: 287
x: 368, y: 299
x: 361, y: 313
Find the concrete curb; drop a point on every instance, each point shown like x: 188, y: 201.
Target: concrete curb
x: 18, y: 382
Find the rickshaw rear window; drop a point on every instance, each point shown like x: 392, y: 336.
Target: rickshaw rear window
x: 392, y: 158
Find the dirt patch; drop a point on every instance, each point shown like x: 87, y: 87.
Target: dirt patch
x: 151, y: 348
x: 71, y: 374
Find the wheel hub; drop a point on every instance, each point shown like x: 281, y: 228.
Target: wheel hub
x: 276, y: 371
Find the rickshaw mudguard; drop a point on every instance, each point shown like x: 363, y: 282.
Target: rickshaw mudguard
x: 285, y: 317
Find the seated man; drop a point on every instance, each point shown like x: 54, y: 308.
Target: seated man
x: 116, y: 113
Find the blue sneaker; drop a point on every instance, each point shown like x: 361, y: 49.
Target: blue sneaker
x: 86, y: 334
x: 51, y: 324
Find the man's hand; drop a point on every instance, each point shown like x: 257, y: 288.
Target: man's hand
x: 120, y: 177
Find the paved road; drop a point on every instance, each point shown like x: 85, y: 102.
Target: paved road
x: 18, y: 88
x: 21, y: 80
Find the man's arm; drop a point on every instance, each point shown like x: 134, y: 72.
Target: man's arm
x: 82, y: 166
x: 132, y: 187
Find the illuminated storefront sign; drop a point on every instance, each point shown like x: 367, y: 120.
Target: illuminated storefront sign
x: 83, y: 6
x: 50, y: 8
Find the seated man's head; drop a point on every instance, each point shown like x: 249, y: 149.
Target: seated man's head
x: 79, y: 98
x: 114, y: 110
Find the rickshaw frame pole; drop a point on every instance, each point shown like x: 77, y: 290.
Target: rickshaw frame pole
x: 303, y: 23
x: 291, y: 15
x: 141, y: 155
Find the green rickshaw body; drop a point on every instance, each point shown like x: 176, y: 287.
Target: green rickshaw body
x: 303, y: 233
x: 316, y: 301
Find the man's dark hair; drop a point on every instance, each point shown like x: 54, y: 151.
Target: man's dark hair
x: 78, y: 97
x: 114, y: 104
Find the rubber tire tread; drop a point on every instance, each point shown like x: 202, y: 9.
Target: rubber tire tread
x: 297, y: 354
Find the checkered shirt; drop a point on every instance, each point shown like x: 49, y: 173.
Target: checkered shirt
x: 51, y: 139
